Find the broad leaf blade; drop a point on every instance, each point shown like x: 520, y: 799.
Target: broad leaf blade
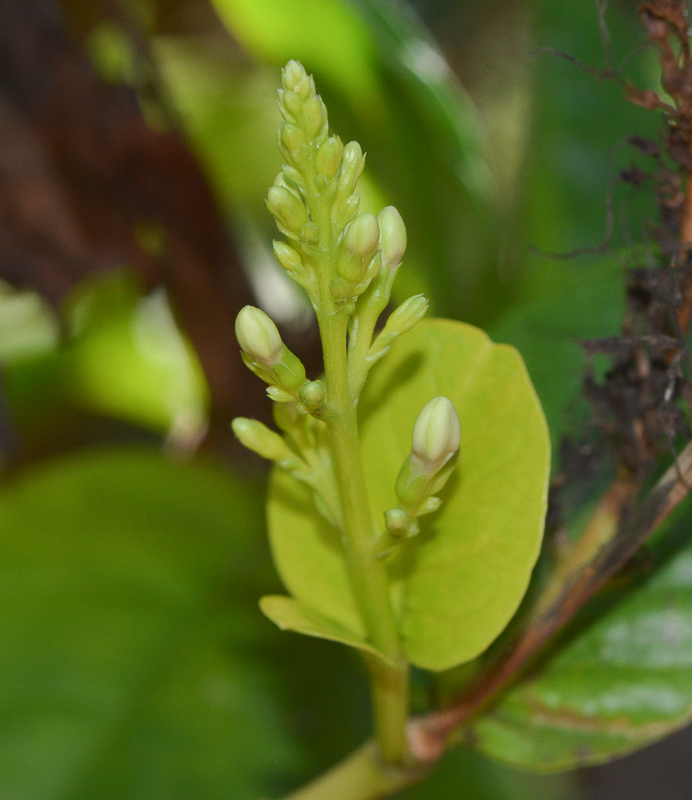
x: 458, y: 584
x: 124, y: 651
x: 290, y: 615
x: 623, y: 683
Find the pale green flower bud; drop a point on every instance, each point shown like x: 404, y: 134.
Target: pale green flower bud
x: 310, y: 233
x: 295, y: 79
x: 328, y: 159
x: 437, y: 432
x: 429, y: 505
x: 279, y: 395
x: 290, y: 104
x: 340, y: 288
x: 291, y: 136
x: 403, y: 318
x: 412, y: 482
x: 392, y: 236
x: 288, y: 210
x: 293, y: 175
x: 352, y: 164
x: 363, y: 236
x: 397, y: 521
x: 289, y: 372
x: 260, y: 439
x: 347, y: 210
x: 314, y: 117
x: 312, y: 395
x: 289, y: 259
x: 258, y: 336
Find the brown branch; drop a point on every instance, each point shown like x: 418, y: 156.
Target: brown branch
x: 429, y: 734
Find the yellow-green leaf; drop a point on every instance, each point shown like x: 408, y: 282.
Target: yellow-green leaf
x: 290, y: 615
x: 455, y: 587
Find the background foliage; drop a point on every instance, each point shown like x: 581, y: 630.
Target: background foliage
x: 138, y: 142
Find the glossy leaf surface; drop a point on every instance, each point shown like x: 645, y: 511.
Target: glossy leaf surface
x: 455, y: 586
x: 623, y: 683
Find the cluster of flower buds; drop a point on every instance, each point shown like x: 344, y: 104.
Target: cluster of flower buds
x: 268, y: 357
x: 426, y: 469
x: 319, y: 172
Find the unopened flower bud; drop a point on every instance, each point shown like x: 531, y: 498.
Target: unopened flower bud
x: 279, y: 395
x: 258, y: 336
x: 403, y: 318
x: 310, y: 233
x: 351, y: 166
x: 392, y: 236
x: 293, y: 175
x: 288, y: 210
x: 314, y: 116
x: 312, y: 395
x: 437, y: 432
x: 260, y: 439
x: 291, y: 136
x: 363, y: 236
x: 340, y: 288
x: 397, y: 521
x: 295, y: 79
x: 289, y: 372
x: 328, y: 158
x: 347, y: 210
x: 290, y: 103
x: 289, y: 259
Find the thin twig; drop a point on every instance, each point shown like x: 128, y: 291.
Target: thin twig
x: 601, y: 74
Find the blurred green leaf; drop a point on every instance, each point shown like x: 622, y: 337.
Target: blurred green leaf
x: 125, y: 661
x: 578, y: 301
x: 457, y: 585
x: 624, y: 682
x: 278, y: 30
x: 123, y: 357
x: 464, y: 775
x: 28, y: 326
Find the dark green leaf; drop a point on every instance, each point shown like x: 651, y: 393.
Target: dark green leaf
x: 625, y: 682
x: 124, y: 642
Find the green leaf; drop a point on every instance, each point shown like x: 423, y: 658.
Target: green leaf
x: 576, y: 302
x: 465, y: 775
x: 290, y: 615
x: 456, y: 586
x: 282, y: 29
x: 124, y: 358
x: 125, y: 646
x: 623, y: 683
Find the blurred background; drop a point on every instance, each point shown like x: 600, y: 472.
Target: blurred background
x: 137, y: 142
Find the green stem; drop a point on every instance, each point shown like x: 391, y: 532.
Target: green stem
x: 368, y: 574
x: 361, y: 776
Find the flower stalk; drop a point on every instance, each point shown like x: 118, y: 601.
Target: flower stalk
x: 347, y: 262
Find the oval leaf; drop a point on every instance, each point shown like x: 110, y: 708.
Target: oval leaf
x: 456, y: 586
x: 624, y: 683
x: 291, y: 615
